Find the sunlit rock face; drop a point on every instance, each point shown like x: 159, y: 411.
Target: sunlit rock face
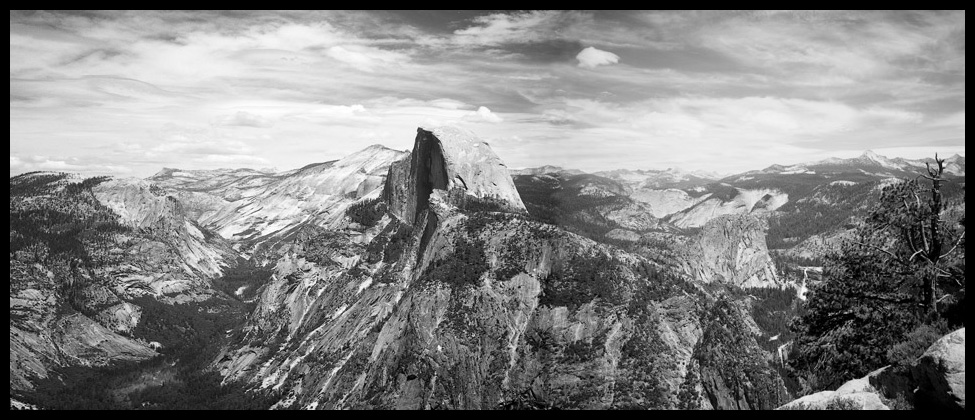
x: 940, y: 373
x: 746, y: 201
x: 260, y: 211
x: 143, y: 205
x: 731, y: 250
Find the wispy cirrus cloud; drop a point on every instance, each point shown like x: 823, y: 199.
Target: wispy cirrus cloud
x: 63, y: 164
x: 244, y: 119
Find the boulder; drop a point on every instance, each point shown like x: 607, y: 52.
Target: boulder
x: 855, y: 393
x: 940, y: 374
x: 826, y: 400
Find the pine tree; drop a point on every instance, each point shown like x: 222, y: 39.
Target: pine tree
x: 894, y: 276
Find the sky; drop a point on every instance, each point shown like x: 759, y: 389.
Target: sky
x: 128, y: 93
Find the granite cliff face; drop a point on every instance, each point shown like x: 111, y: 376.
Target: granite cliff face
x: 451, y: 160
x: 732, y: 250
x: 143, y: 205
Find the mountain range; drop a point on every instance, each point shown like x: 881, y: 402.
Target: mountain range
x: 424, y: 279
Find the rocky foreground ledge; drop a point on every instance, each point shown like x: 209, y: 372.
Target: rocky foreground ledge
x: 935, y: 381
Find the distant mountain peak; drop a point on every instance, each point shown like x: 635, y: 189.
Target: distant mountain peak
x: 373, y: 151
x: 871, y: 154
x: 378, y: 146
x: 774, y: 168
x: 870, y: 162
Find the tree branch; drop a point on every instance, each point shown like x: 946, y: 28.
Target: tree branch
x: 956, y: 245
x: 918, y: 200
x: 910, y: 241
x: 915, y: 254
x: 881, y: 250
x: 884, y: 298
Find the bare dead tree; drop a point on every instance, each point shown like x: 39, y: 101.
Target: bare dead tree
x: 934, y: 247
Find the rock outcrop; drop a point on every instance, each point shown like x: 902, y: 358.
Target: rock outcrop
x: 666, y: 202
x: 745, y: 201
x: 855, y: 394
x: 452, y: 160
x: 936, y: 381
x: 143, y: 205
x: 731, y: 250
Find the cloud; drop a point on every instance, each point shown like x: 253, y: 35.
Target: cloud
x: 447, y: 103
x: 858, y: 45
x: 234, y: 160
x: 364, y: 58
x: 483, y: 114
x: 333, y: 114
x: 590, y: 57
x: 244, y: 119
x: 63, y: 164
x: 17, y: 165
x: 501, y: 28
x: 186, y: 140
x: 743, y: 89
